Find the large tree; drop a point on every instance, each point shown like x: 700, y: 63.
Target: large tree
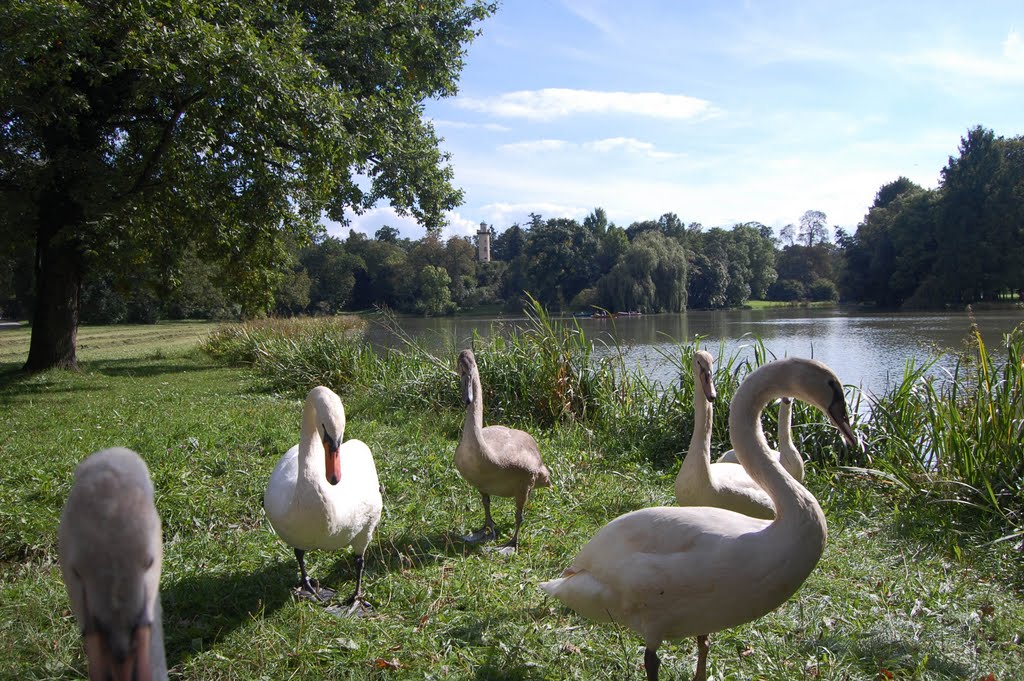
x: 157, y: 127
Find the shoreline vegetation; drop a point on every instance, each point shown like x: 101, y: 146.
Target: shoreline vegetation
x: 921, y: 578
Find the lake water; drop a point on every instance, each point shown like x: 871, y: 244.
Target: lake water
x: 868, y: 350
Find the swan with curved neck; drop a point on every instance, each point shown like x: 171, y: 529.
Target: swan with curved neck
x: 673, y: 572
x: 110, y: 550
x: 496, y: 460
x: 788, y: 455
x: 325, y: 494
x: 702, y: 483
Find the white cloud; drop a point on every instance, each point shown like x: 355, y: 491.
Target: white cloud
x: 1007, y: 69
x: 551, y: 103
x: 590, y: 14
x: 502, y: 215
x: 608, y: 145
x: 629, y: 145
x: 1013, y: 47
x: 370, y: 221
x: 535, y: 146
x: 443, y: 123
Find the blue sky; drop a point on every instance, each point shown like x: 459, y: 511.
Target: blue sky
x: 721, y: 112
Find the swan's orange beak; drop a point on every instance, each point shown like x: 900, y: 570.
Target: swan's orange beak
x: 332, y: 463
x: 134, y: 665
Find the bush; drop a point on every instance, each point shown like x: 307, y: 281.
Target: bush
x: 823, y: 289
x: 789, y: 290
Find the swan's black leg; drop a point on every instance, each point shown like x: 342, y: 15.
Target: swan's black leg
x: 702, y: 658
x: 357, y: 595
x: 310, y: 586
x: 487, y: 531
x: 512, y: 544
x: 651, y: 664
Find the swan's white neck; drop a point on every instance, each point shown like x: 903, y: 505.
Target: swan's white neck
x: 473, y: 426
x: 792, y: 501
x: 785, y: 425
x: 697, y: 462
x: 312, y: 464
x: 789, y: 457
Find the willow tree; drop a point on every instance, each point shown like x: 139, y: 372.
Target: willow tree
x: 132, y: 132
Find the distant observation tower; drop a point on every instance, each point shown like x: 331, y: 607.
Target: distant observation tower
x: 483, y: 243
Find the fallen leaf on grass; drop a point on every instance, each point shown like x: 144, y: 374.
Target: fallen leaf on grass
x: 570, y: 648
x: 393, y: 663
x: 885, y: 673
x: 987, y: 610
x: 990, y: 677
x: 346, y: 643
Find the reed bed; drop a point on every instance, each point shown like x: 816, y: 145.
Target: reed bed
x: 956, y: 438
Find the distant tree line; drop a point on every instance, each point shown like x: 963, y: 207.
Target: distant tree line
x: 959, y: 243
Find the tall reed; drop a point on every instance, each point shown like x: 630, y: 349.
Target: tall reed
x: 959, y: 437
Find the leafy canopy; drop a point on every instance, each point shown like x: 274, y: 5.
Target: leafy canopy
x: 230, y: 125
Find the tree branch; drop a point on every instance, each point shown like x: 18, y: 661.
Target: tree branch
x: 143, y: 179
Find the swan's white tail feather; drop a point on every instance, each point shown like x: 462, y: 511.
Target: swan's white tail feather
x: 581, y: 592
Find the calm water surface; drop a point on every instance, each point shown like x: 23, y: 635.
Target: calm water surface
x: 865, y: 350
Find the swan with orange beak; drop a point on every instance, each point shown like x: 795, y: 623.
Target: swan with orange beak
x: 325, y: 494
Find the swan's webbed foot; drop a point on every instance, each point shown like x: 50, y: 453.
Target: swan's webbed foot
x: 506, y: 549
x: 311, y: 590
x: 485, y: 533
x: 356, y: 606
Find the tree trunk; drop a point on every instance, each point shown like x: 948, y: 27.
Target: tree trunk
x: 58, y: 270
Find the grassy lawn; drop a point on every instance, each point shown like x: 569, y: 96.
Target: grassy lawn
x: 765, y: 304
x: 890, y: 599
x: 113, y: 342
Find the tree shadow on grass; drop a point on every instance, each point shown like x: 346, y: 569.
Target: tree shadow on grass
x: 499, y: 670
x: 500, y: 664
x: 202, y: 609
x: 877, y: 651
x: 411, y: 551
x: 147, y: 368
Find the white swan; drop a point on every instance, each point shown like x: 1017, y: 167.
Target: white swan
x: 110, y: 550
x: 498, y: 461
x: 788, y: 455
x: 324, y: 494
x: 702, y: 483
x: 672, y: 572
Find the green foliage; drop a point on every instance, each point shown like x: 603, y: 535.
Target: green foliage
x: 434, y: 297
x: 294, y: 355
x: 649, y: 277
x: 958, y: 438
x: 140, y: 131
x: 956, y: 244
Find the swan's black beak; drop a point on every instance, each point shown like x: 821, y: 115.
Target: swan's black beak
x: 332, y: 458
x: 708, y: 385
x: 132, y: 664
x: 837, y: 412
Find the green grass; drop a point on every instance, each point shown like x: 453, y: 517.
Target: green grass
x: 766, y: 304
x: 113, y: 342
x: 890, y: 597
